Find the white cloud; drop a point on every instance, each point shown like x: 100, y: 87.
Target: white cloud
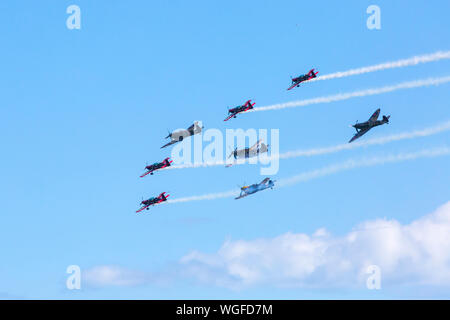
x: 110, y: 275
x: 415, y: 253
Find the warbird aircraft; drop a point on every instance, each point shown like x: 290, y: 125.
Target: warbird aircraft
x: 145, y: 204
x: 179, y: 135
x: 248, y: 190
x: 258, y: 148
x: 239, y: 109
x: 363, y: 127
x: 157, y: 166
x: 305, y: 77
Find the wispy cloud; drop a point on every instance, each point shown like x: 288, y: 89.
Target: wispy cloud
x: 112, y: 275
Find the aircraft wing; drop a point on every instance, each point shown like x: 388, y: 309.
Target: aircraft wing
x: 231, y: 116
x: 265, y: 181
x: 241, y: 196
x: 296, y: 83
x: 170, y: 143
x: 143, y: 208
x: 359, y: 134
x: 375, y: 116
x: 143, y: 175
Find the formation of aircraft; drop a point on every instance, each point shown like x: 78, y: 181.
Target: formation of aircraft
x: 363, y: 127
x: 248, y: 190
x: 145, y: 204
x: 179, y: 135
x: 258, y: 148
x: 239, y: 109
x: 157, y: 166
x: 305, y: 77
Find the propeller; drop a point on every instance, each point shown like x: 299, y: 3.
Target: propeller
x: 353, y: 125
x: 232, y: 153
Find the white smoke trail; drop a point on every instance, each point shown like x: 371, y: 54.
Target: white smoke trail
x: 361, y: 93
x: 440, y: 55
x: 369, y: 162
x: 332, y: 169
x: 333, y: 149
x: 374, y: 141
x: 211, y: 196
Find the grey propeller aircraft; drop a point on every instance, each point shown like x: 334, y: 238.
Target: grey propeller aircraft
x: 363, y: 127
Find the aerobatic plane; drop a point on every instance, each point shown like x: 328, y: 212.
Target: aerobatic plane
x: 157, y: 166
x: 179, y: 135
x: 305, y: 77
x: 239, y: 109
x: 145, y: 204
x: 363, y: 127
x: 248, y: 190
x: 258, y: 148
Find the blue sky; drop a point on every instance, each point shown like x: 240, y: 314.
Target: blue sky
x: 84, y: 110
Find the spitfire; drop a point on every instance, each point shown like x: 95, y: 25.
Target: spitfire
x: 363, y: 127
x: 179, y: 135
x: 258, y: 148
x: 263, y: 185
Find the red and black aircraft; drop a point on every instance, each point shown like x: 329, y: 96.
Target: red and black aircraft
x: 145, y: 204
x: 239, y: 109
x: 305, y: 77
x: 157, y: 166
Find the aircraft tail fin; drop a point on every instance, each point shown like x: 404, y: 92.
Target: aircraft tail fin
x: 164, y: 196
